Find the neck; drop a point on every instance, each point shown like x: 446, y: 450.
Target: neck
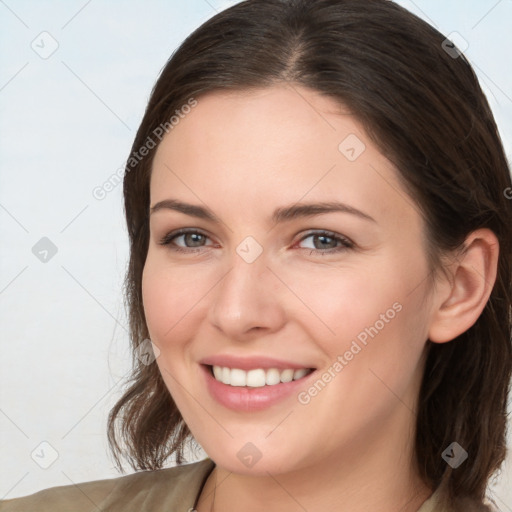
x: 378, y: 475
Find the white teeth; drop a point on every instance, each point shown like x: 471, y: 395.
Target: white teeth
x: 238, y: 377
x: 255, y: 378
x: 226, y: 375
x: 287, y: 375
x: 217, y: 371
x: 298, y: 374
x: 258, y: 377
x: 272, y: 377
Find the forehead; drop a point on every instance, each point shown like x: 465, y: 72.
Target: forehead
x: 281, y: 144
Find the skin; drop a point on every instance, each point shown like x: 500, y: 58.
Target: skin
x: 351, y: 448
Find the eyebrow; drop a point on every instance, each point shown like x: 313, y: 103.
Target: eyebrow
x: 283, y: 214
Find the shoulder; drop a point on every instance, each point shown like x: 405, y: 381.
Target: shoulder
x: 141, y: 491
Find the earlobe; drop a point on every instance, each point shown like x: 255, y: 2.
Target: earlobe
x: 459, y: 302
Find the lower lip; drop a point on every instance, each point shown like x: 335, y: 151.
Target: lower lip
x: 248, y: 399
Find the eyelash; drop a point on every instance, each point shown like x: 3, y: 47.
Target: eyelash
x: 346, y: 244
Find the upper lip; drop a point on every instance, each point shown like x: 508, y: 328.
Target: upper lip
x: 251, y: 363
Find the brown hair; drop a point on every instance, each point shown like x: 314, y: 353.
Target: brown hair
x: 423, y: 107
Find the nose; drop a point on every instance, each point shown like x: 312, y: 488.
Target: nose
x: 248, y: 300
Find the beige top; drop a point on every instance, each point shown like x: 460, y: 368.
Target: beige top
x: 164, y: 490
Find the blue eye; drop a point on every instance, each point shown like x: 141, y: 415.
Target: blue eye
x: 327, y: 239
x: 197, y: 241
x: 188, y: 235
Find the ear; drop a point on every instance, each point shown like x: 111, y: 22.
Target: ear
x: 460, y: 299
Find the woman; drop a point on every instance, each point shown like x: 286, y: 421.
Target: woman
x: 318, y: 208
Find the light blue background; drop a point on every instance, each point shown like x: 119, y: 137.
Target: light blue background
x: 66, y: 125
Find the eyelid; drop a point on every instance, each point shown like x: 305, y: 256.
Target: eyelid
x: 346, y: 243
x: 329, y: 234
x: 168, y: 237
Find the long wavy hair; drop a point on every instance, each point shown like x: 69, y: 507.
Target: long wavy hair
x: 421, y: 104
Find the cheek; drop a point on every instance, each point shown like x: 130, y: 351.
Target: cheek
x: 380, y: 307
x: 171, y: 308
x: 174, y: 301
x: 379, y: 335
x: 342, y: 302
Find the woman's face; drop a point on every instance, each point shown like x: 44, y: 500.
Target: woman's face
x: 265, y: 281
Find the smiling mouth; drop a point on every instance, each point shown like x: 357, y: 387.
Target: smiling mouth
x: 258, y: 377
